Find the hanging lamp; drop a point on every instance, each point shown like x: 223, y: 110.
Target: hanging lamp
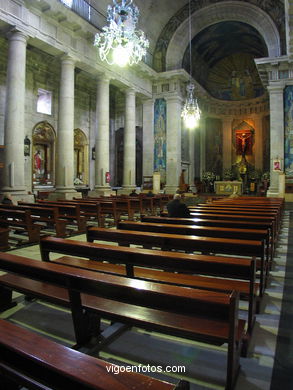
x: 120, y: 42
x: 191, y: 111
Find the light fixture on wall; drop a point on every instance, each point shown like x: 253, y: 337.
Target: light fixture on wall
x: 120, y: 43
x: 27, y: 146
x: 191, y: 111
x: 93, y: 153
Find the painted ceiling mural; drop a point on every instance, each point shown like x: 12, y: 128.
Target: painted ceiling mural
x: 274, y: 8
x: 223, y: 60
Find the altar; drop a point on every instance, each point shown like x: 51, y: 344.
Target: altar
x: 228, y: 187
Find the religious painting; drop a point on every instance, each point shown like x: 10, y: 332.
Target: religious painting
x: 160, y: 116
x: 80, y: 158
x: 277, y: 165
x: 288, y: 118
x: 214, y: 146
x: 43, y: 154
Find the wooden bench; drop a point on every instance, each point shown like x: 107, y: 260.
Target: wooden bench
x: 165, y: 241
x: 30, y: 360
x: 45, y: 217
x: 231, y: 211
x: 147, y: 264
x: 71, y: 213
x: 4, y: 233
x: 215, y: 223
x: 200, y: 315
x: 197, y: 230
x: 20, y: 220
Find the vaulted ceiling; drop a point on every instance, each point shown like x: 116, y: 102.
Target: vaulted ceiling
x: 222, y: 53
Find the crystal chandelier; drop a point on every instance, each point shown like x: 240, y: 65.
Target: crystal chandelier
x: 120, y: 43
x: 191, y: 111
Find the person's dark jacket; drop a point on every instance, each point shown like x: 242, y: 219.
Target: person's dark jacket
x: 177, y: 209
x: 6, y: 201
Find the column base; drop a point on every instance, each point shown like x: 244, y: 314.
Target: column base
x: 18, y: 195
x: 101, y: 191
x: 170, y: 189
x: 67, y: 194
x: 126, y: 190
x: 274, y: 193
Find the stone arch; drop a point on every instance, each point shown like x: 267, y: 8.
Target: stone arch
x: 215, y: 13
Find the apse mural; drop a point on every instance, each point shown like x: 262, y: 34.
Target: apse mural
x: 288, y: 114
x: 160, y: 138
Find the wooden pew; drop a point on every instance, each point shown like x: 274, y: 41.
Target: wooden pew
x: 242, y: 224
x: 165, y: 241
x: 206, y: 316
x: 147, y: 264
x: 35, y: 362
x: 20, y: 220
x: 197, y: 230
x: 239, y: 211
x: 70, y: 213
x: 45, y: 217
x: 4, y: 233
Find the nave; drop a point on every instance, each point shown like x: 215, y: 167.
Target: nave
x: 263, y: 366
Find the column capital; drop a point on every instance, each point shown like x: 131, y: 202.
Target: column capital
x: 276, y: 88
x: 147, y: 100
x: 17, y: 35
x: 104, y: 77
x: 130, y: 91
x: 66, y: 58
x: 173, y: 98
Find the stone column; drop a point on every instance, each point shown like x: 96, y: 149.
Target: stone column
x: 276, y: 133
x: 174, y: 106
x: 14, y: 163
x: 192, y: 158
x: 202, y: 127
x: 65, y: 136
x: 227, y: 142
x: 258, y: 143
x: 129, y: 155
x: 102, y: 163
x: 148, y: 138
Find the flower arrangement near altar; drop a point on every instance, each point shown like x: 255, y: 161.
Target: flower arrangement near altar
x: 77, y: 181
x: 208, y: 177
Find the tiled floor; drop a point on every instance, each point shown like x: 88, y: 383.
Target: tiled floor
x: 205, y: 367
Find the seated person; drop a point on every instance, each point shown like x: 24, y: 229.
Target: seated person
x: 6, y: 199
x: 150, y: 194
x: 133, y: 193
x: 176, y: 208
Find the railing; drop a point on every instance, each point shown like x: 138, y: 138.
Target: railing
x: 89, y: 13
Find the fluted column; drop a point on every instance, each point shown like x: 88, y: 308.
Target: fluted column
x: 276, y: 134
x: 148, y: 137
x: 129, y: 156
x: 13, y: 178
x: 102, y: 163
x: 65, y: 136
x: 174, y: 105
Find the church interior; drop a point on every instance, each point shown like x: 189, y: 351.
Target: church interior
x: 109, y: 111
